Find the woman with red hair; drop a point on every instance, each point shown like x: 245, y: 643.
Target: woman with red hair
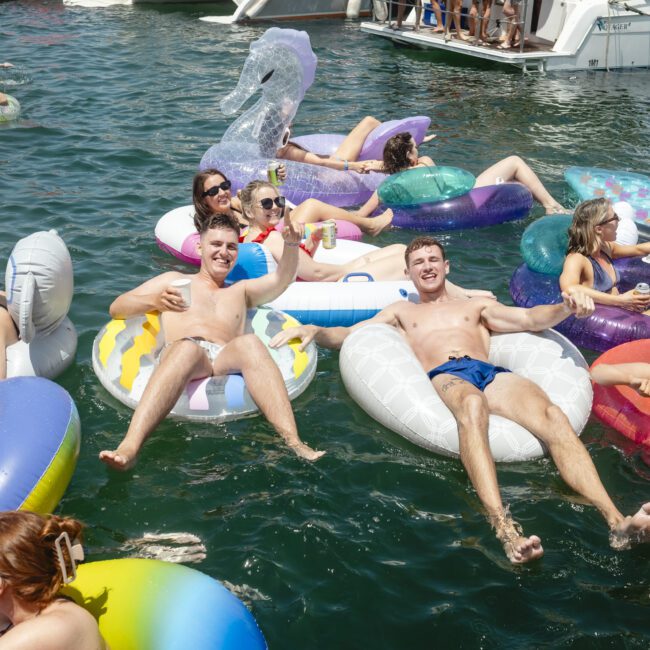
x: 37, y: 556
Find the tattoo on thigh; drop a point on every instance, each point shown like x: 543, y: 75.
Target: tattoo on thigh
x: 451, y: 383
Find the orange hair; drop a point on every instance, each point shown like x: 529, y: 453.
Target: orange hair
x: 28, y: 558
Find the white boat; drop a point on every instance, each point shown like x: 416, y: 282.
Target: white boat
x: 254, y: 10
x: 559, y: 35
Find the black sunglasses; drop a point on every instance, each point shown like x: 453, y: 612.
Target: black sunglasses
x: 614, y: 218
x: 267, y: 203
x: 214, y: 190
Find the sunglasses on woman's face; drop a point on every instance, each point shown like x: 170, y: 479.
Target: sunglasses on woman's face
x: 214, y: 190
x: 267, y: 203
x: 614, y: 218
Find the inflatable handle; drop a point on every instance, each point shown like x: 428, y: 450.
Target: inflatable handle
x: 368, y: 277
x: 25, y: 322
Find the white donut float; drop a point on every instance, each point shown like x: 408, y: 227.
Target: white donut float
x: 175, y: 234
x: 384, y: 377
x: 125, y: 354
x: 39, y: 285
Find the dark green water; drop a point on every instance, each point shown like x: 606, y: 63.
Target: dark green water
x: 379, y: 544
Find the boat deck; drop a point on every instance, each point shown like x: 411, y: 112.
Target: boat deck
x: 535, y: 52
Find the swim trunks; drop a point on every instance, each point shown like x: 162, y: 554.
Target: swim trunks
x: 211, y: 349
x: 478, y: 373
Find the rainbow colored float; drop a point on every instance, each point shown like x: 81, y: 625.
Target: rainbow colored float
x: 153, y: 605
x: 39, y: 443
x: 125, y: 353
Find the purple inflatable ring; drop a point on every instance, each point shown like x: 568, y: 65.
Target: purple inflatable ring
x: 480, y: 207
x: 373, y: 148
x: 606, y: 327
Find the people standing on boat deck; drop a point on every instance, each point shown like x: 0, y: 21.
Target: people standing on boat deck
x: 8, y: 333
x: 512, y: 11
x: 634, y: 375
x: 486, y: 9
x: 309, y: 211
x: 207, y: 338
x: 401, y: 6
x: 401, y: 153
x: 592, y: 248
x: 451, y: 340
x: 32, y: 561
x: 346, y: 156
x: 453, y: 16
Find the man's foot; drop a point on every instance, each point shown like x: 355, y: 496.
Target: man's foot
x: 379, y: 223
x: 461, y: 37
x: 518, y: 548
x: 504, y: 46
x: 428, y: 138
x: 305, y: 451
x: 438, y: 30
x: 120, y: 459
x: 632, y: 530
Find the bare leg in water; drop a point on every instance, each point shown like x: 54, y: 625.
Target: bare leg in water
x: 314, y: 211
x: 514, y: 168
x: 183, y: 361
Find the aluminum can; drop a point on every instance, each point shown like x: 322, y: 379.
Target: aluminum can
x: 272, y: 173
x: 643, y: 288
x: 329, y: 233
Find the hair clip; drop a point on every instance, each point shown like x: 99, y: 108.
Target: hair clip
x: 75, y: 552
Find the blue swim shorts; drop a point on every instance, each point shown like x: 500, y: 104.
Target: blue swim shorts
x: 477, y: 373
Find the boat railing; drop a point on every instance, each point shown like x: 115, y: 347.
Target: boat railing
x: 387, y: 12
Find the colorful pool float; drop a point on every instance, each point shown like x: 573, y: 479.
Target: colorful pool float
x: 594, y: 183
x: 125, y: 353
x: 39, y: 443
x: 480, y: 207
x: 11, y: 111
x: 153, y: 605
x: 621, y: 407
x: 175, y: 234
x: 281, y: 65
x: 607, y: 326
x: 384, y: 377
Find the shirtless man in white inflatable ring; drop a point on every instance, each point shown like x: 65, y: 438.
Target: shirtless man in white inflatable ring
x: 450, y: 338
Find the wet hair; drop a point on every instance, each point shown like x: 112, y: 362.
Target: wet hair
x: 583, y: 237
x: 203, y: 212
x: 396, y: 152
x: 28, y: 559
x: 218, y: 220
x: 422, y: 242
x: 247, y: 197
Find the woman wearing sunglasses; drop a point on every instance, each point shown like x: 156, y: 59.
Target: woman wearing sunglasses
x: 263, y: 208
x: 212, y: 194
x: 37, y: 556
x: 590, y: 252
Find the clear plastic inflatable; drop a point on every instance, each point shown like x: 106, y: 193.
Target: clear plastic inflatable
x: 39, y: 286
x: 281, y: 65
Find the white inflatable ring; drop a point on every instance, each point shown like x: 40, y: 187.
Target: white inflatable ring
x: 384, y: 377
x: 125, y: 353
x: 45, y: 356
